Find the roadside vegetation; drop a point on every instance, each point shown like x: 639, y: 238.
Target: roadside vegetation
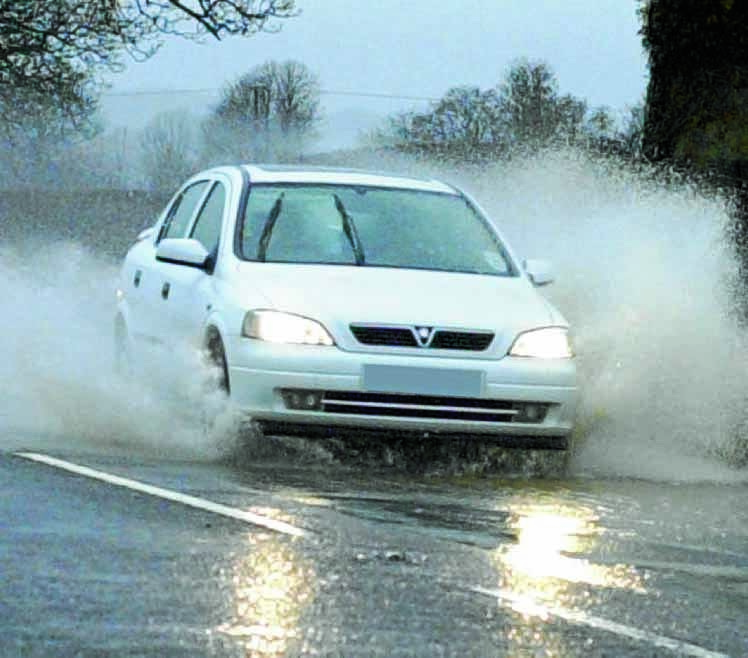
x: 104, y: 221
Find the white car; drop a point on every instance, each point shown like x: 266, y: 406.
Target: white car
x: 345, y: 302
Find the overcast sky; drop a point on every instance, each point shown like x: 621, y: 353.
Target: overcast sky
x: 405, y: 48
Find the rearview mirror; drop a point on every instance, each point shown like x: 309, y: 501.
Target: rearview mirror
x: 539, y: 271
x: 182, y: 251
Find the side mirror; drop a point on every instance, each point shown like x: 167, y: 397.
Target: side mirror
x: 539, y: 271
x: 182, y: 251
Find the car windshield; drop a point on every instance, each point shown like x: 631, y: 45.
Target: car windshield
x: 370, y: 226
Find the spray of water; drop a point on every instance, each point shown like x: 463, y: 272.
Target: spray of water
x: 642, y: 274
x: 59, y: 385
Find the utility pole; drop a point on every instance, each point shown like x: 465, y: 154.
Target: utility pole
x: 260, y: 103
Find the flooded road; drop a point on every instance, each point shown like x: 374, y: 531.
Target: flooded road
x: 386, y: 563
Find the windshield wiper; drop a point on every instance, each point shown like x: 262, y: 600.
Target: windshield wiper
x: 267, y: 229
x: 349, y: 228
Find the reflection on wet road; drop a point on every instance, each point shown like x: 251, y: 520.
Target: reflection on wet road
x: 273, y: 586
x: 391, y: 564
x: 549, y: 555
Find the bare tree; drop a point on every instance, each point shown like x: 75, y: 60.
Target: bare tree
x: 601, y: 123
x: 50, y: 47
x: 464, y: 124
x: 534, y: 113
x: 633, y: 130
x: 167, y: 150
x: 269, y: 113
x: 294, y: 94
x: 524, y: 112
x: 35, y: 132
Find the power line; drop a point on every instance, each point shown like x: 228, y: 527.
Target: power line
x: 158, y: 92
x: 371, y: 94
x: 213, y: 90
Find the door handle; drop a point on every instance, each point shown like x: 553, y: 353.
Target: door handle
x: 136, y: 278
x: 165, y: 290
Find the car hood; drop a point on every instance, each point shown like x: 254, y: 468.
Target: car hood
x: 340, y: 295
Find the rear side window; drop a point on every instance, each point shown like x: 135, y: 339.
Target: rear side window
x: 207, y: 228
x: 182, y: 211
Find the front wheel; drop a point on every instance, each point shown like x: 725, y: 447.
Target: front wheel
x: 215, y: 386
x: 216, y: 357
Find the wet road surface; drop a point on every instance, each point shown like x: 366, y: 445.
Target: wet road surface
x: 384, y: 563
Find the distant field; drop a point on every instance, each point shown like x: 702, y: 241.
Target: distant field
x: 105, y: 221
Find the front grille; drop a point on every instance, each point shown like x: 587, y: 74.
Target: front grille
x: 361, y: 403
x: 392, y: 336
x: 462, y: 340
x: 443, y: 339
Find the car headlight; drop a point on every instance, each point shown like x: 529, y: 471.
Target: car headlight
x: 278, y: 327
x: 547, y: 343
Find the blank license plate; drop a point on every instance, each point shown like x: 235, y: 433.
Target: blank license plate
x: 423, y: 381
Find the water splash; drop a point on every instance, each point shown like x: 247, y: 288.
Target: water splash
x: 643, y: 273
x: 57, y: 368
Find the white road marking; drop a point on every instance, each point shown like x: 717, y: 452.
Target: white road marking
x: 710, y: 570
x: 167, y: 494
x: 528, y: 606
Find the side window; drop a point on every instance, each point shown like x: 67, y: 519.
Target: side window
x: 182, y: 211
x: 207, y: 228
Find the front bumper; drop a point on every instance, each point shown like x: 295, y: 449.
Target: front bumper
x: 260, y: 371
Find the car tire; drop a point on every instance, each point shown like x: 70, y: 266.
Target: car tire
x: 216, y: 357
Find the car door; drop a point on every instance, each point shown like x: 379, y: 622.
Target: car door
x: 191, y: 290
x: 155, y: 275
x: 139, y: 258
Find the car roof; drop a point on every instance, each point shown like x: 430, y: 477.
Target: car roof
x: 340, y: 176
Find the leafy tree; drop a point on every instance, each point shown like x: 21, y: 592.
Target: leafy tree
x: 167, y: 150
x: 697, y: 113
x: 697, y: 100
x: 268, y: 113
